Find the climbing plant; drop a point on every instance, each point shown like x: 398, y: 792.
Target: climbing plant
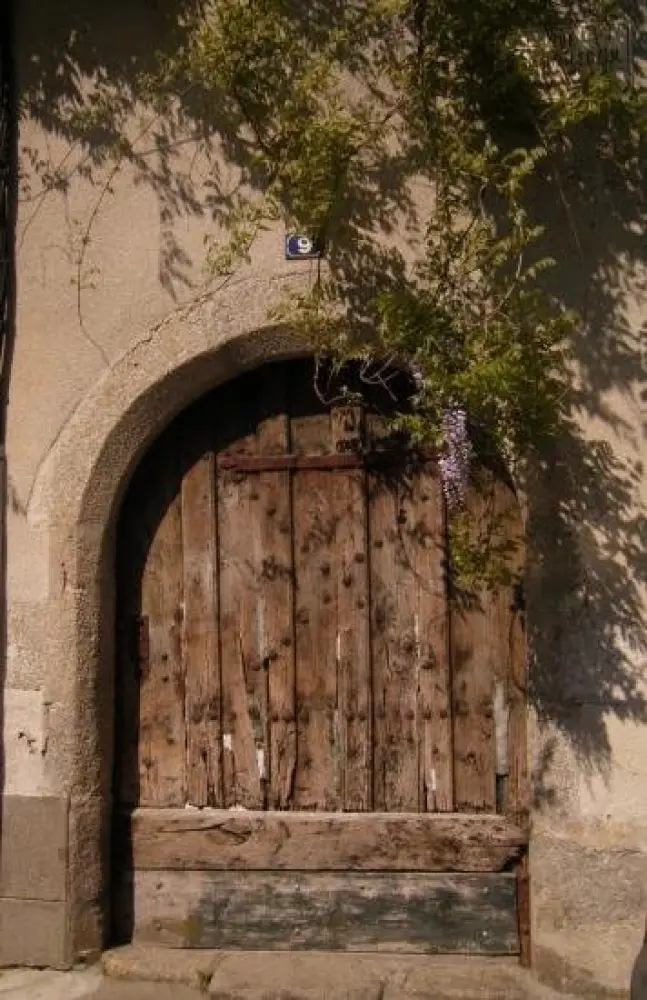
x: 417, y: 140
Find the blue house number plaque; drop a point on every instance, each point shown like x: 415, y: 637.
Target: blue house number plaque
x: 299, y: 246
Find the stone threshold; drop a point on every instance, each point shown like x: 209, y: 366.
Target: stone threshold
x: 327, y: 975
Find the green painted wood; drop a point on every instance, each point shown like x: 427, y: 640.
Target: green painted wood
x: 403, y: 913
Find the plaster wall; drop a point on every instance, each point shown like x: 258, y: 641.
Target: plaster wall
x: 117, y: 330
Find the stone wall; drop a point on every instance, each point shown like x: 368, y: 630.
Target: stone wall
x: 116, y: 332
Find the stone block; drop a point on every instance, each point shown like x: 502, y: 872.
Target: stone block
x: 192, y: 967
x: 33, y: 862
x: 33, y: 932
x: 24, y: 742
x: 577, y: 884
x: 342, y: 976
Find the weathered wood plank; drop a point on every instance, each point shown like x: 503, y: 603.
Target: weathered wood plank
x: 243, y: 676
x: 474, y: 649
x: 162, y: 731
x: 154, y: 486
x: 318, y: 751
x: 507, y: 650
x: 275, y: 595
x: 424, y: 539
x: 315, y: 521
x: 405, y: 913
x: 200, y: 632
x: 349, y: 570
x: 394, y: 644
x: 223, y: 840
x: 518, y: 800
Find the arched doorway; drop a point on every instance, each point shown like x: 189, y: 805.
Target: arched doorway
x: 315, y: 746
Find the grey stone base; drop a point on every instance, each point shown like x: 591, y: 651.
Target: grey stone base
x: 33, y: 879
x: 326, y: 976
x: 33, y: 933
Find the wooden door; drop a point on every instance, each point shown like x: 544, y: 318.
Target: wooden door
x: 315, y: 746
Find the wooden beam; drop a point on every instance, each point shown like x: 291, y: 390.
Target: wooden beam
x: 351, y: 912
x: 280, y: 463
x: 212, y: 839
x: 326, y: 462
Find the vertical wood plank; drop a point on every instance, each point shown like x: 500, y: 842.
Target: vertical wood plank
x: 518, y: 781
x: 316, y: 523
x: 350, y: 570
x: 413, y: 746
x: 162, y: 736
x: 425, y: 538
x: 395, y: 673
x: 276, y: 597
x: 153, y: 488
x: 474, y: 649
x: 513, y: 664
x: 256, y: 650
x: 316, y: 784
x: 499, y: 605
x: 237, y: 503
x: 200, y: 633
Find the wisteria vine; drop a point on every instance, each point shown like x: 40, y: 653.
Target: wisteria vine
x: 455, y: 463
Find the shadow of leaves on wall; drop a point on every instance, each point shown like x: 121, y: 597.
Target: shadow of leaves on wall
x: 588, y: 633
x: 588, y: 521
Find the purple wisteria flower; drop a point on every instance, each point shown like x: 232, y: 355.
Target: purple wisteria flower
x: 455, y: 463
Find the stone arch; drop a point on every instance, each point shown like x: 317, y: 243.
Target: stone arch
x: 74, y: 503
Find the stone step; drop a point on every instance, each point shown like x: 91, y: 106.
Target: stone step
x: 327, y: 975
